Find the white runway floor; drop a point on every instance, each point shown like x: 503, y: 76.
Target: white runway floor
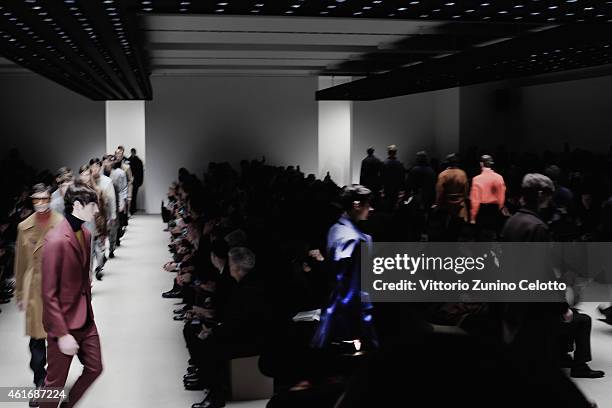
x: 143, y: 348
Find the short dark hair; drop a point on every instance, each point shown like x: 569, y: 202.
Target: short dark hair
x: 95, y: 160
x: 452, y: 160
x: 79, y: 192
x: 370, y: 150
x: 352, y: 193
x: 487, y: 160
x: 40, y: 188
x: 133, y: 150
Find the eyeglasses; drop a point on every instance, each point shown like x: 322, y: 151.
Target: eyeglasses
x: 39, y: 200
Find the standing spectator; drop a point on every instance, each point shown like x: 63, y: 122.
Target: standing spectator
x: 137, y: 168
x: 392, y: 175
x: 370, y: 171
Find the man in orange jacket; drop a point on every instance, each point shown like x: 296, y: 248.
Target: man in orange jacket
x: 487, y: 198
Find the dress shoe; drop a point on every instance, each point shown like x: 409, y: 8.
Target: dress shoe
x: 191, y: 376
x: 209, y: 401
x: 111, y: 254
x: 5, y: 300
x: 192, y: 369
x: 194, y: 386
x: 173, y: 294
x: 181, y: 310
x: 179, y: 317
x: 99, y: 274
x: 584, y: 371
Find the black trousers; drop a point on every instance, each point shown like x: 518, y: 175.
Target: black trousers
x: 576, y: 335
x: 133, y: 205
x: 488, y: 222
x: 38, y: 361
x: 212, y: 357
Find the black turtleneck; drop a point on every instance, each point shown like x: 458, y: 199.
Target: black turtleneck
x: 75, y: 222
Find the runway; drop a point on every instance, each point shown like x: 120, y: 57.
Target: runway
x: 143, y: 349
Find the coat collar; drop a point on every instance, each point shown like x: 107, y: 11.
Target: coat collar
x: 67, y: 231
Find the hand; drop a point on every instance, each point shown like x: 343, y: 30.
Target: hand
x: 316, y: 254
x: 20, y: 305
x: 68, y: 345
x: 473, y: 222
x: 201, y: 312
x: 568, y: 316
x: 505, y: 212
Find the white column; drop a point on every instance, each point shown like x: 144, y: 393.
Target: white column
x: 125, y: 126
x: 335, y: 134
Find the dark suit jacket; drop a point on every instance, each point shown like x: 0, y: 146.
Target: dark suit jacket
x: 525, y: 226
x: 245, y: 314
x: 66, y: 285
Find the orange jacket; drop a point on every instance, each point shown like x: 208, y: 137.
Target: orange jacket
x: 487, y: 188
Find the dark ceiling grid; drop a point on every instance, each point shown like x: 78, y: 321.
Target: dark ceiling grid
x: 85, y: 45
x: 562, y: 48
x: 539, y: 11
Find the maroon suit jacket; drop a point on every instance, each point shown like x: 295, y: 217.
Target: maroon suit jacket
x: 66, y: 284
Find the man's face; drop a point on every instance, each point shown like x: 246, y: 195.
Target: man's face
x: 85, y: 176
x: 64, y: 186
x: 234, y: 270
x: 41, y: 202
x: 108, y: 163
x: 361, y: 210
x: 86, y: 212
x: 95, y: 170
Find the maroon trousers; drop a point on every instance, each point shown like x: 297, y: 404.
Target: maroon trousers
x: 59, y: 364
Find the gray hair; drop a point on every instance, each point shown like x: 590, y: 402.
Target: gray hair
x: 242, y: 257
x: 537, y: 182
x: 236, y: 238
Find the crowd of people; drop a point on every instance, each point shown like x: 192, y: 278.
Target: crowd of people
x: 34, y: 205
x: 266, y: 265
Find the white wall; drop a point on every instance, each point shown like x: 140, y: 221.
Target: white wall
x: 125, y: 126
x: 538, y: 117
x: 192, y: 121
x: 428, y: 121
x: 50, y: 125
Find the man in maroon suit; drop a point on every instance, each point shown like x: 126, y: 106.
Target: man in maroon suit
x: 66, y: 291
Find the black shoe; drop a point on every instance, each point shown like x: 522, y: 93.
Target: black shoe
x: 192, y: 369
x: 179, y: 317
x: 181, y: 310
x: 99, y: 274
x: 210, y: 401
x: 191, y: 377
x: 584, y: 371
x: 111, y: 255
x: 4, y: 301
x: 194, y: 385
x: 173, y: 294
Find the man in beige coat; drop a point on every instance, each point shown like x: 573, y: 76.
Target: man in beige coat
x: 28, y: 253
